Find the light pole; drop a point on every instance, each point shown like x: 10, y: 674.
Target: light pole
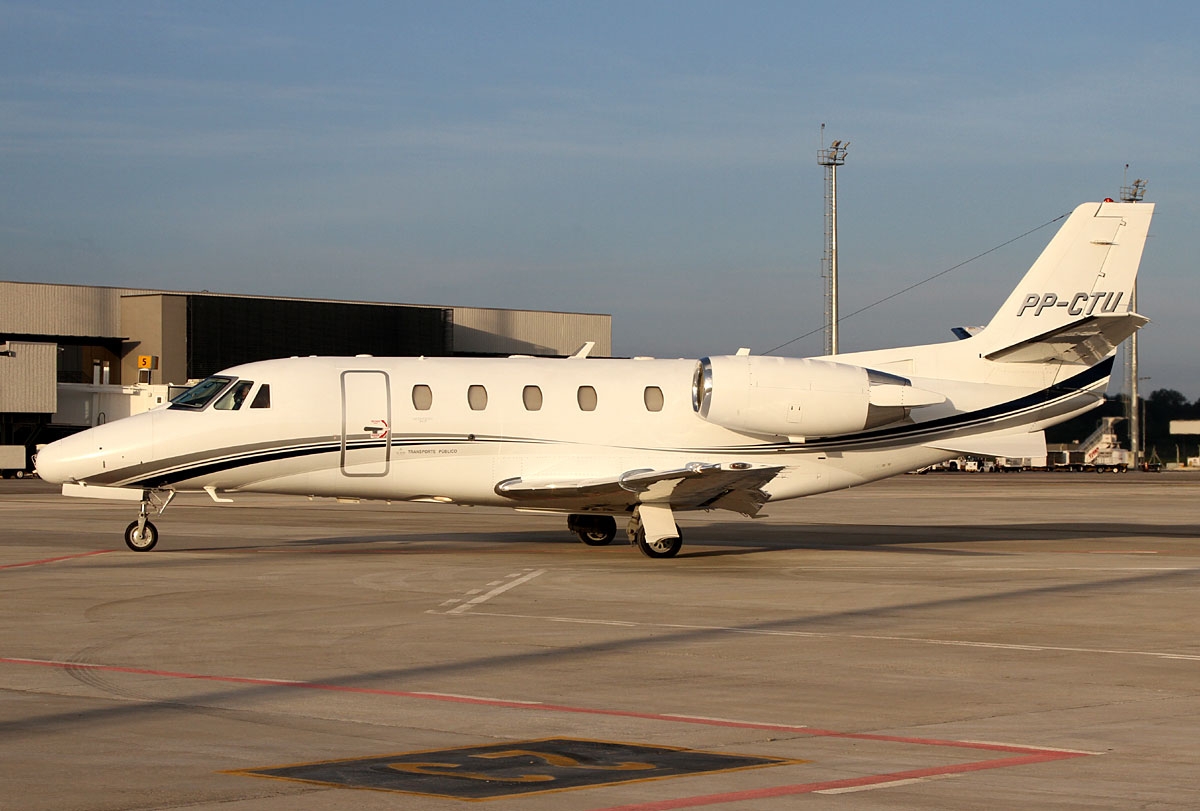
x: 831, y: 159
x: 1134, y: 193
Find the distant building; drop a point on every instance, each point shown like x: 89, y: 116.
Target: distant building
x: 52, y: 334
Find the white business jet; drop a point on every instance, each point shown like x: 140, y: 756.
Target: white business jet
x: 640, y: 439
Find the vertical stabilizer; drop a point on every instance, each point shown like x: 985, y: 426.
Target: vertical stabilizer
x: 1084, y: 277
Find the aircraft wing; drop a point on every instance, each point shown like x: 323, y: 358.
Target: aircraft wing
x: 697, y: 485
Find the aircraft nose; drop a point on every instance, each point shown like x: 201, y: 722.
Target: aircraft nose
x: 52, y: 462
x: 96, y: 453
x: 62, y: 460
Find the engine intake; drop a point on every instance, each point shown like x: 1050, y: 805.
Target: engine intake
x: 800, y: 397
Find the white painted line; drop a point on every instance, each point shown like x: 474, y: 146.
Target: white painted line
x: 1039, y: 748
x: 962, y: 643
x: 890, y: 784
x: 739, y: 721
x: 481, y: 699
x: 618, y: 623
x: 483, y: 598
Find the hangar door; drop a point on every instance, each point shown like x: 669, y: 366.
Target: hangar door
x: 366, y: 423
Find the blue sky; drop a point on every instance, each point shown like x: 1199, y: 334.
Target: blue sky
x: 653, y: 160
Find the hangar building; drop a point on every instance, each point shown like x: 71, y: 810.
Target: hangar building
x: 62, y: 346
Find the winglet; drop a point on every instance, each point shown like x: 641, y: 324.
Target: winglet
x: 585, y: 350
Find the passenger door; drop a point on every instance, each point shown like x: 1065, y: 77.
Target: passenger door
x: 366, y: 423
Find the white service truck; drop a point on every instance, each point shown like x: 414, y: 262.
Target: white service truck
x: 13, y: 461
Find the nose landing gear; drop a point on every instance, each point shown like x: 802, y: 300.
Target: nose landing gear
x: 141, y: 535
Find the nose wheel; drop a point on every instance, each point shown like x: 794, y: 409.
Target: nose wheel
x: 141, y: 535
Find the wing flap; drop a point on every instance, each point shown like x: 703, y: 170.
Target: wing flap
x: 697, y: 485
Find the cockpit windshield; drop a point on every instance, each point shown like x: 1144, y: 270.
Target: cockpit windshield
x: 236, y: 395
x: 201, y: 394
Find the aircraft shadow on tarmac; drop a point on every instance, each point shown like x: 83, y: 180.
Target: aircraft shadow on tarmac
x: 733, y: 538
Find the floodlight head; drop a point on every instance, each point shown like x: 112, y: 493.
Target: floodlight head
x: 1135, y: 192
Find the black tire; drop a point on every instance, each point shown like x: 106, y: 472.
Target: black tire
x: 666, y: 548
x: 146, y: 542
x: 595, y: 530
x: 597, y: 537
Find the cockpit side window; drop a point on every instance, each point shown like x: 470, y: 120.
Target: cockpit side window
x: 232, y: 400
x: 263, y: 398
x: 201, y: 394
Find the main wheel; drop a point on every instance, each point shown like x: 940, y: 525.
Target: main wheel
x: 596, y: 537
x: 665, y: 548
x: 601, y: 531
x: 142, y: 541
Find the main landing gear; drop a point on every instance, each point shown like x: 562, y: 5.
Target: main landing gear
x: 141, y: 535
x: 651, y: 529
x: 662, y: 548
x: 593, y: 530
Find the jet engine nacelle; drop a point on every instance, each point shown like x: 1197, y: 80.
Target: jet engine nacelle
x: 800, y: 397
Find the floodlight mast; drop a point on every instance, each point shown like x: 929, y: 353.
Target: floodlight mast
x: 1134, y: 192
x: 831, y: 159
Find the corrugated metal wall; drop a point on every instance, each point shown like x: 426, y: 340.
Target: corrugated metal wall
x: 224, y: 331
x: 28, y: 378
x: 60, y: 309
x: 529, y: 332
x: 57, y: 309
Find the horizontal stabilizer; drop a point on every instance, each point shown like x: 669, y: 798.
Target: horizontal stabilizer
x: 694, y: 486
x: 1088, y: 341
x: 1016, y: 446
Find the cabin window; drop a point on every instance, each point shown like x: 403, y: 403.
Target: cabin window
x: 263, y: 398
x: 654, y: 398
x: 232, y: 400
x: 477, y: 398
x: 422, y: 397
x: 587, y: 398
x: 201, y: 394
x: 532, y: 397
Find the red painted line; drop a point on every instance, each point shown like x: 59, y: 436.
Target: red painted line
x: 54, y: 560
x: 1023, y: 755
x: 854, y: 782
x: 1052, y: 754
